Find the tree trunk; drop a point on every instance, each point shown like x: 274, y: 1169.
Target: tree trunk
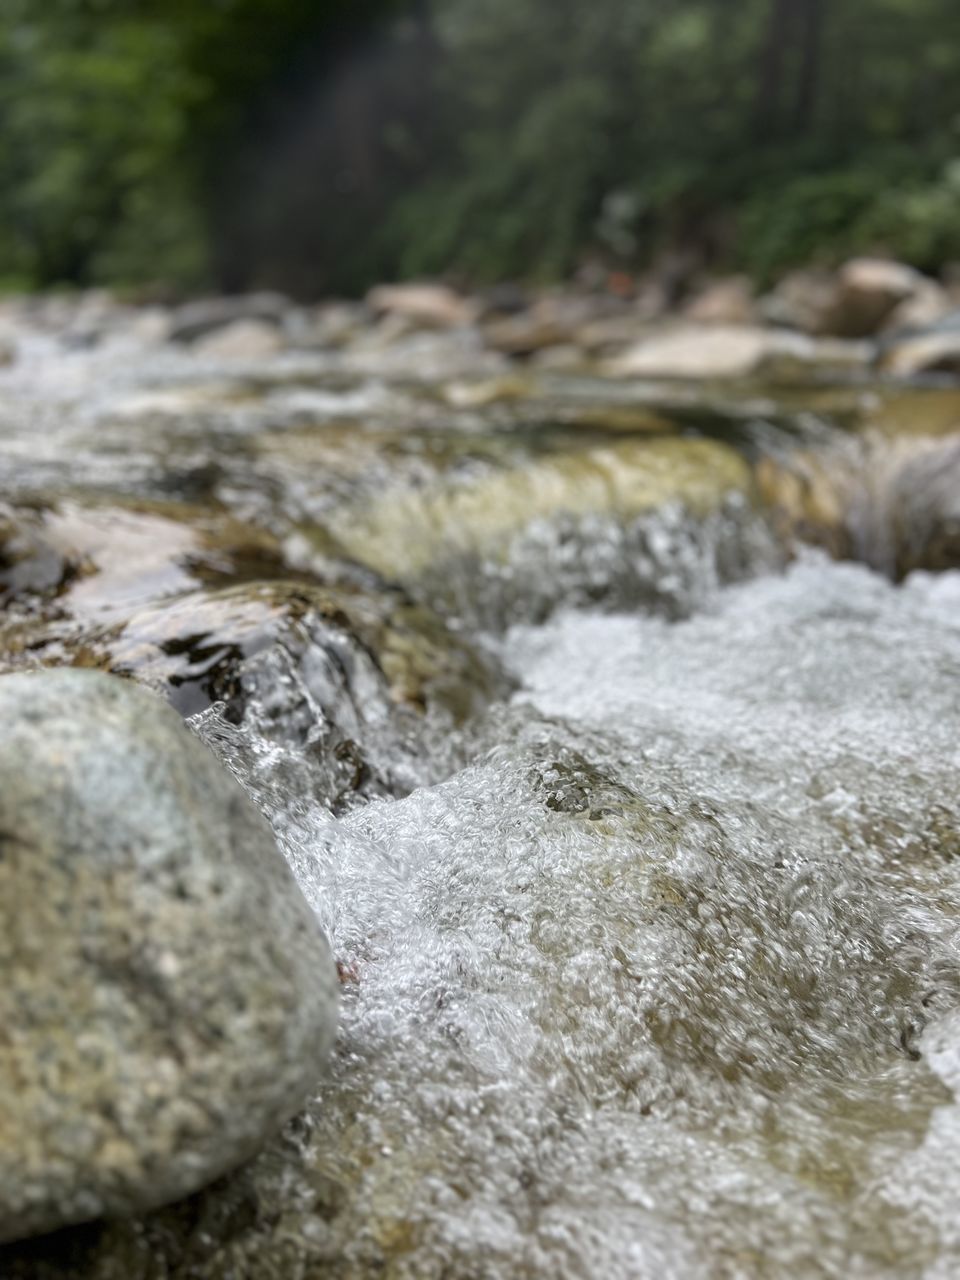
x: 789, y: 68
x: 767, y: 111
x: 810, y: 14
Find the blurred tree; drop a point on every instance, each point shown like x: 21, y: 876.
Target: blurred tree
x: 315, y: 146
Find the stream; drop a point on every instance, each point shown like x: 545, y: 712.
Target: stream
x: 610, y: 727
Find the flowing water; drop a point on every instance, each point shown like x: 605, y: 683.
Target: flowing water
x: 633, y: 823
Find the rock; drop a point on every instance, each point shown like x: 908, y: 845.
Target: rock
x: 566, y: 357
x: 29, y: 562
x: 150, y: 326
x: 868, y: 290
x: 855, y: 302
x: 891, y: 502
x: 241, y: 340
x: 694, y: 352
x: 925, y: 307
x: 527, y: 333
x: 796, y: 357
x: 802, y: 300
x: 474, y: 546
x: 554, y: 319
x: 110, y: 559
x: 728, y: 301
x: 194, y: 319
x: 405, y: 532
x: 809, y: 497
x: 936, y: 351
x: 352, y: 680
x: 329, y: 326
x: 479, y: 394
x: 428, y: 306
x: 424, y: 356
x: 736, y: 351
x: 168, y: 997
x: 606, y: 336
x: 385, y: 653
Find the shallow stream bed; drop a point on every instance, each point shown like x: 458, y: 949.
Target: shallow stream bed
x: 631, y: 814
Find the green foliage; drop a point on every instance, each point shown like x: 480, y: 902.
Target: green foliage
x: 93, y: 132
x: 920, y: 219
x: 699, y: 121
x: 115, y: 114
x: 316, y: 145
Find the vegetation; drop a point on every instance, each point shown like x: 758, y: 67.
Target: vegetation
x: 317, y: 146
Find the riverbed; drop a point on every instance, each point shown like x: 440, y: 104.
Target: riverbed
x: 609, y: 726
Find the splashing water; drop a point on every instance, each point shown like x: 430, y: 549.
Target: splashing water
x: 664, y: 982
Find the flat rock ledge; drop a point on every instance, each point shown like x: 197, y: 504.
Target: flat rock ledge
x: 168, y: 998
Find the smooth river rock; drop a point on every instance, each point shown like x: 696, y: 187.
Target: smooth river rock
x: 168, y: 998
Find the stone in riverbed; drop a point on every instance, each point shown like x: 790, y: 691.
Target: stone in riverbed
x: 428, y: 306
x: 168, y: 997
x: 205, y: 315
x: 868, y: 291
x: 890, y: 502
x: 857, y: 301
x: 241, y: 340
x: 935, y: 351
x: 738, y: 351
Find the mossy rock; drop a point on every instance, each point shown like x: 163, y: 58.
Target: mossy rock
x: 408, y: 531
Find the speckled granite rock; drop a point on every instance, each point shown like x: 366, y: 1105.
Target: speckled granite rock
x: 168, y: 998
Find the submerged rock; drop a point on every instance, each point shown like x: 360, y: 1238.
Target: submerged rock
x: 168, y: 996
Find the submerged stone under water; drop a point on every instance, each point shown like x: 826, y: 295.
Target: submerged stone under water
x: 662, y: 978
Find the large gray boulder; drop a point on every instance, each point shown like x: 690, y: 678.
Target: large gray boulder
x: 167, y: 997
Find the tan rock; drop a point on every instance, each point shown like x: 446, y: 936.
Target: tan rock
x: 728, y: 301
x: 935, y: 352
x: 428, y: 306
x: 868, y: 291
x: 736, y: 351
x: 241, y: 340
x: 802, y: 300
x: 691, y: 351
x: 925, y: 307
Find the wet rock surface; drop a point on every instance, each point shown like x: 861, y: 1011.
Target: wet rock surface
x: 168, y: 997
